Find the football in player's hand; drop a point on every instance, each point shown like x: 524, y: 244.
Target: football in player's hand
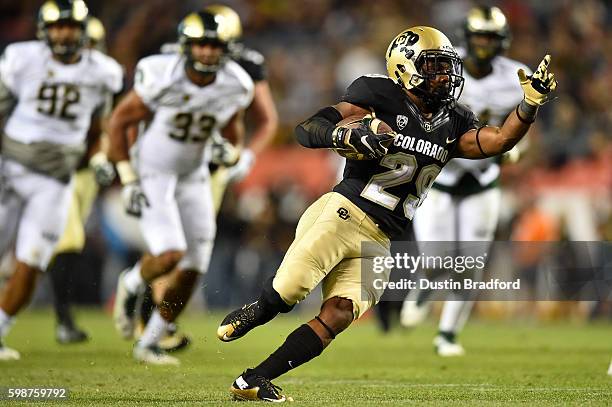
x: 377, y: 127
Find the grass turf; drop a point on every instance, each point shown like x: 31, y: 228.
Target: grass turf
x: 511, y: 362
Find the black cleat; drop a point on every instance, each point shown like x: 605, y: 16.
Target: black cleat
x: 238, y: 323
x: 66, y: 334
x: 252, y: 387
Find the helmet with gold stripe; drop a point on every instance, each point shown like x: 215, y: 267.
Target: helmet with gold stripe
x: 61, y: 24
x: 203, y: 28
x: 487, y: 33
x: 423, y: 61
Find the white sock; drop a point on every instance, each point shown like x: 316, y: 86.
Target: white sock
x: 154, y: 331
x: 6, y: 322
x: 451, y: 313
x: 133, y: 280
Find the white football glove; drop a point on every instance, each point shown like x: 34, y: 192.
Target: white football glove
x: 134, y: 199
x: 242, y: 168
x: 224, y: 153
x: 104, y: 171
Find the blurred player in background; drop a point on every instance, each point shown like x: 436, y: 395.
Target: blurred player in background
x: 265, y: 123
x: 57, y: 85
x: 94, y: 169
x: 189, y: 99
x: 464, y: 202
x: 377, y: 196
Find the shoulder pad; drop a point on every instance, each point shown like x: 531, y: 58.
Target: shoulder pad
x: 373, y: 91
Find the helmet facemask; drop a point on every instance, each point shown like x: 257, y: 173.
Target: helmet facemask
x: 440, y: 80
x: 65, y: 49
x: 483, y: 54
x: 203, y: 28
x: 62, y: 13
x: 487, y: 34
x: 205, y: 68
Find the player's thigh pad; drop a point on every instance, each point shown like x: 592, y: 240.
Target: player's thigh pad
x: 356, y: 280
x: 84, y: 192
x: 160, y: 223
x: 198, y: 219
x: 43, y: 218
x: 329, y: 231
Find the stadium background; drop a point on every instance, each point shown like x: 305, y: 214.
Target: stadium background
x: 561, y: 189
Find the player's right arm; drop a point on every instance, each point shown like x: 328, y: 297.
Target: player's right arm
x: 128, y: 113
x: 321, y: 131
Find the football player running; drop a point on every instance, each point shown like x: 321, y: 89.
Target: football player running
x: 265, y: 122
x: 377, y: 197
x: 56, y: 84
x: 94, y: 170
x: 468, y: 187
x: 188, y: 99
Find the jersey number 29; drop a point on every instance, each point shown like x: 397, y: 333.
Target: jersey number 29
x: 403, y: 167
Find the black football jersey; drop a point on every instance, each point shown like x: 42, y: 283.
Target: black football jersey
x: 391, y: 188
x: 251, y: 61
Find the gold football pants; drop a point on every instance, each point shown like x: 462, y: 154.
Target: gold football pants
x: 84, y: 192
x: 328, y: 248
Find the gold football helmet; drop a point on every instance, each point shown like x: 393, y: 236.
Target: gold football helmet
x: 231, y: 20
x: 96, y: 34
x: 57, y: 11
x: 206, y: 28
x: 490, y: 22
x: 416, y: 60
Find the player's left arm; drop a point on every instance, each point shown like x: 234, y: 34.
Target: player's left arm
x: 98, y: 142
x: 490, y: 141
x: 265, y: 117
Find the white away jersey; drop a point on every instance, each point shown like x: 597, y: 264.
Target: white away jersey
x: 491, y: 98
x: 185, y: 115
x: 55, y: 101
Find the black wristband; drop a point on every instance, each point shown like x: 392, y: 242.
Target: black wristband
x: 478, y: 142
x: 529, y: 111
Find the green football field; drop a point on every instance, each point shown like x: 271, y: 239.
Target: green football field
x: 523, y: 363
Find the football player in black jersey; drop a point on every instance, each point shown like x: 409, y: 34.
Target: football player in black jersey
x: 377, y: 196
x: 262, y: 115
